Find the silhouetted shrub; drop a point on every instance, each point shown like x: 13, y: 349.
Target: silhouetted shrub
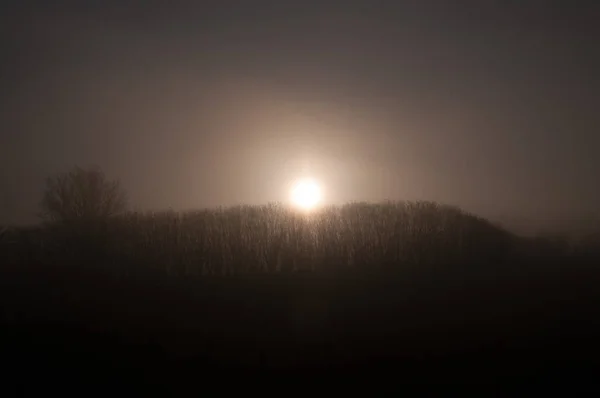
x: 81, y: 196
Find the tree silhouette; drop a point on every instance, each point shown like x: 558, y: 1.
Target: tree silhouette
x: 81, y: 195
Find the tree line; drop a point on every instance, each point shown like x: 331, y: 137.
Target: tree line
x: 86, y: 222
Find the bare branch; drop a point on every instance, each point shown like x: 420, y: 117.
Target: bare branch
x: 81, y: 194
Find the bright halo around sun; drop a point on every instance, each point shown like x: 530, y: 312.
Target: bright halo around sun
x: 306, y: 194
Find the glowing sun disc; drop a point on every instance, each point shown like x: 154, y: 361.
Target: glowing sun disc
x: 306, y: 194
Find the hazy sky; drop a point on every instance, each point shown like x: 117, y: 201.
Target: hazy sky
x: 490, y: 105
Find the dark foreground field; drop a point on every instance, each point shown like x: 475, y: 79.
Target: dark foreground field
x: 503, y: 328
x: 382, y: 296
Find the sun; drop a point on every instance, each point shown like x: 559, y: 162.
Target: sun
x: 306, y: 194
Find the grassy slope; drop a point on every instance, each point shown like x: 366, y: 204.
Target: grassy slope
x: 459, y: 323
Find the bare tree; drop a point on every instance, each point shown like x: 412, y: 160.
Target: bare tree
x: 81, y: 195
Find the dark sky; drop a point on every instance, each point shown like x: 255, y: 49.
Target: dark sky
x: 490, y: 105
